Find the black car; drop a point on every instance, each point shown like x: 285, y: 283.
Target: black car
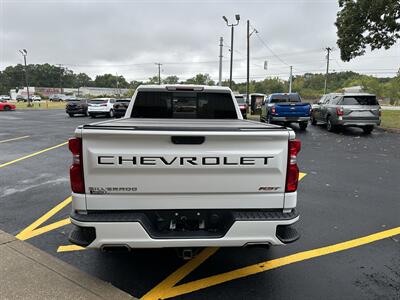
x: 120, y: 107
x: 76, y: 106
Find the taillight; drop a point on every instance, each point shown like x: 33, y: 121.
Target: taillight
x: 76, y: 169
x: 273, y: 110
x: 292, y: 174
x: 339, y: 111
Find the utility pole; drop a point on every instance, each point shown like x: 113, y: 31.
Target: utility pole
x: 248, y: 59
x: 221, y: 42
x: 119, y: 93
x: 290, y: 79
x: 237, y: 17
x: 328, y: 49
x: 24, y: 54
x: 61, y: 74
x: 248, y: 62
x: 159, y: 72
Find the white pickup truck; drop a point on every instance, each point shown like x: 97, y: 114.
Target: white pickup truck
x: 183, y: 169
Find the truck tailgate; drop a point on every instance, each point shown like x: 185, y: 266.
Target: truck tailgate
x: 293, y: 109
x: 163, y: 169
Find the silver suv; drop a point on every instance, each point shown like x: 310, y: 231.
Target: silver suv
x: 347, y: 110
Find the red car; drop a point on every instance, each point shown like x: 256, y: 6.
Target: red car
x: 7, y: 106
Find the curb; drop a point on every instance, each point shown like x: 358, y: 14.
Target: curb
x: 391, y: 130
x: 29, y: 273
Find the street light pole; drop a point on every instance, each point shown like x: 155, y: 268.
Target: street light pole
x: 221, y: 44
x: 237, y: 17
x: 328, y: 49
x: 24, y: 54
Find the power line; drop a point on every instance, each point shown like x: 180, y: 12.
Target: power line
x: 269, y: 49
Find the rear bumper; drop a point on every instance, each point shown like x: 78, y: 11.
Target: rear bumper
x: 98, y: 111
x: 358, y: 123
x: 76, y: 111
x: 119, y: 113
x: 95, y: 113
x: 290, y: 119
x: 130, y: 230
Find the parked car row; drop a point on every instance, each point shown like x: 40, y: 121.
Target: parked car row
x: 336, y: 110
x: 109, y: 107
x: 33, y: 98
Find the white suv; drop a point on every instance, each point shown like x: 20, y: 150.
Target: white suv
x: 101, y: 106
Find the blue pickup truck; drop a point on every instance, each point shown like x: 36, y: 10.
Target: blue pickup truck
x: 285, y: 108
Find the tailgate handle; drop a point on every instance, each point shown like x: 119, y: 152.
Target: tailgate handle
x: 187, y: 140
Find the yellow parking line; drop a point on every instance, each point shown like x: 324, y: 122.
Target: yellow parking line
x: 301, y: 175
x: 33, y: 230
x: 33, y: 154
x: 276, y: 263
x: 164, y: 286
x: 68, y: 248
x: 14, y: 139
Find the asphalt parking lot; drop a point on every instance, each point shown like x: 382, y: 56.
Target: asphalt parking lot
x: 348, y: 200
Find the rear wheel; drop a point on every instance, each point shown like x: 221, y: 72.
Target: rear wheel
x: 313, y: 121
x: 111, y: 114
x: 303, y: 125
x: 7, y: 107
x: 261, y: 119
x: 71, y: 115
x: 92, y: 116
x: 368, y: 129
x: 329, y: 124
x: 269, y: 120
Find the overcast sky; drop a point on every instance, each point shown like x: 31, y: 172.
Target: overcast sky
x: 128, y: 37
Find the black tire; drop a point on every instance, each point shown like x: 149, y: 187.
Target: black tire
x: 86, y: 114
x: 92, y: 116
x: 269, y: 119
x: 111, y: 114
x: 313, y: 121
x: 303, y: 125
x: 329, y: 126
x: 7, y: 107
x: 261, y: 119
x: 71, y: 115
x: 368, y: 129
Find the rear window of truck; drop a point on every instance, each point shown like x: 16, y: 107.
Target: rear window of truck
x: 285, y: 98
x: 359, y: 100
x: 184, y: 105
x: 240, y: 99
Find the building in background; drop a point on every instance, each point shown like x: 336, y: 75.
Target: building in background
x: 77, y: 92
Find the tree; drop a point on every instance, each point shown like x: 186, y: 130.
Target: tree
x: 171, y: 80
x: 134, y: 84
x: 203, y: 79
x: 110, y: 81
x: 153, y: 80
x: 365, y: 22
x: 83, y: 79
